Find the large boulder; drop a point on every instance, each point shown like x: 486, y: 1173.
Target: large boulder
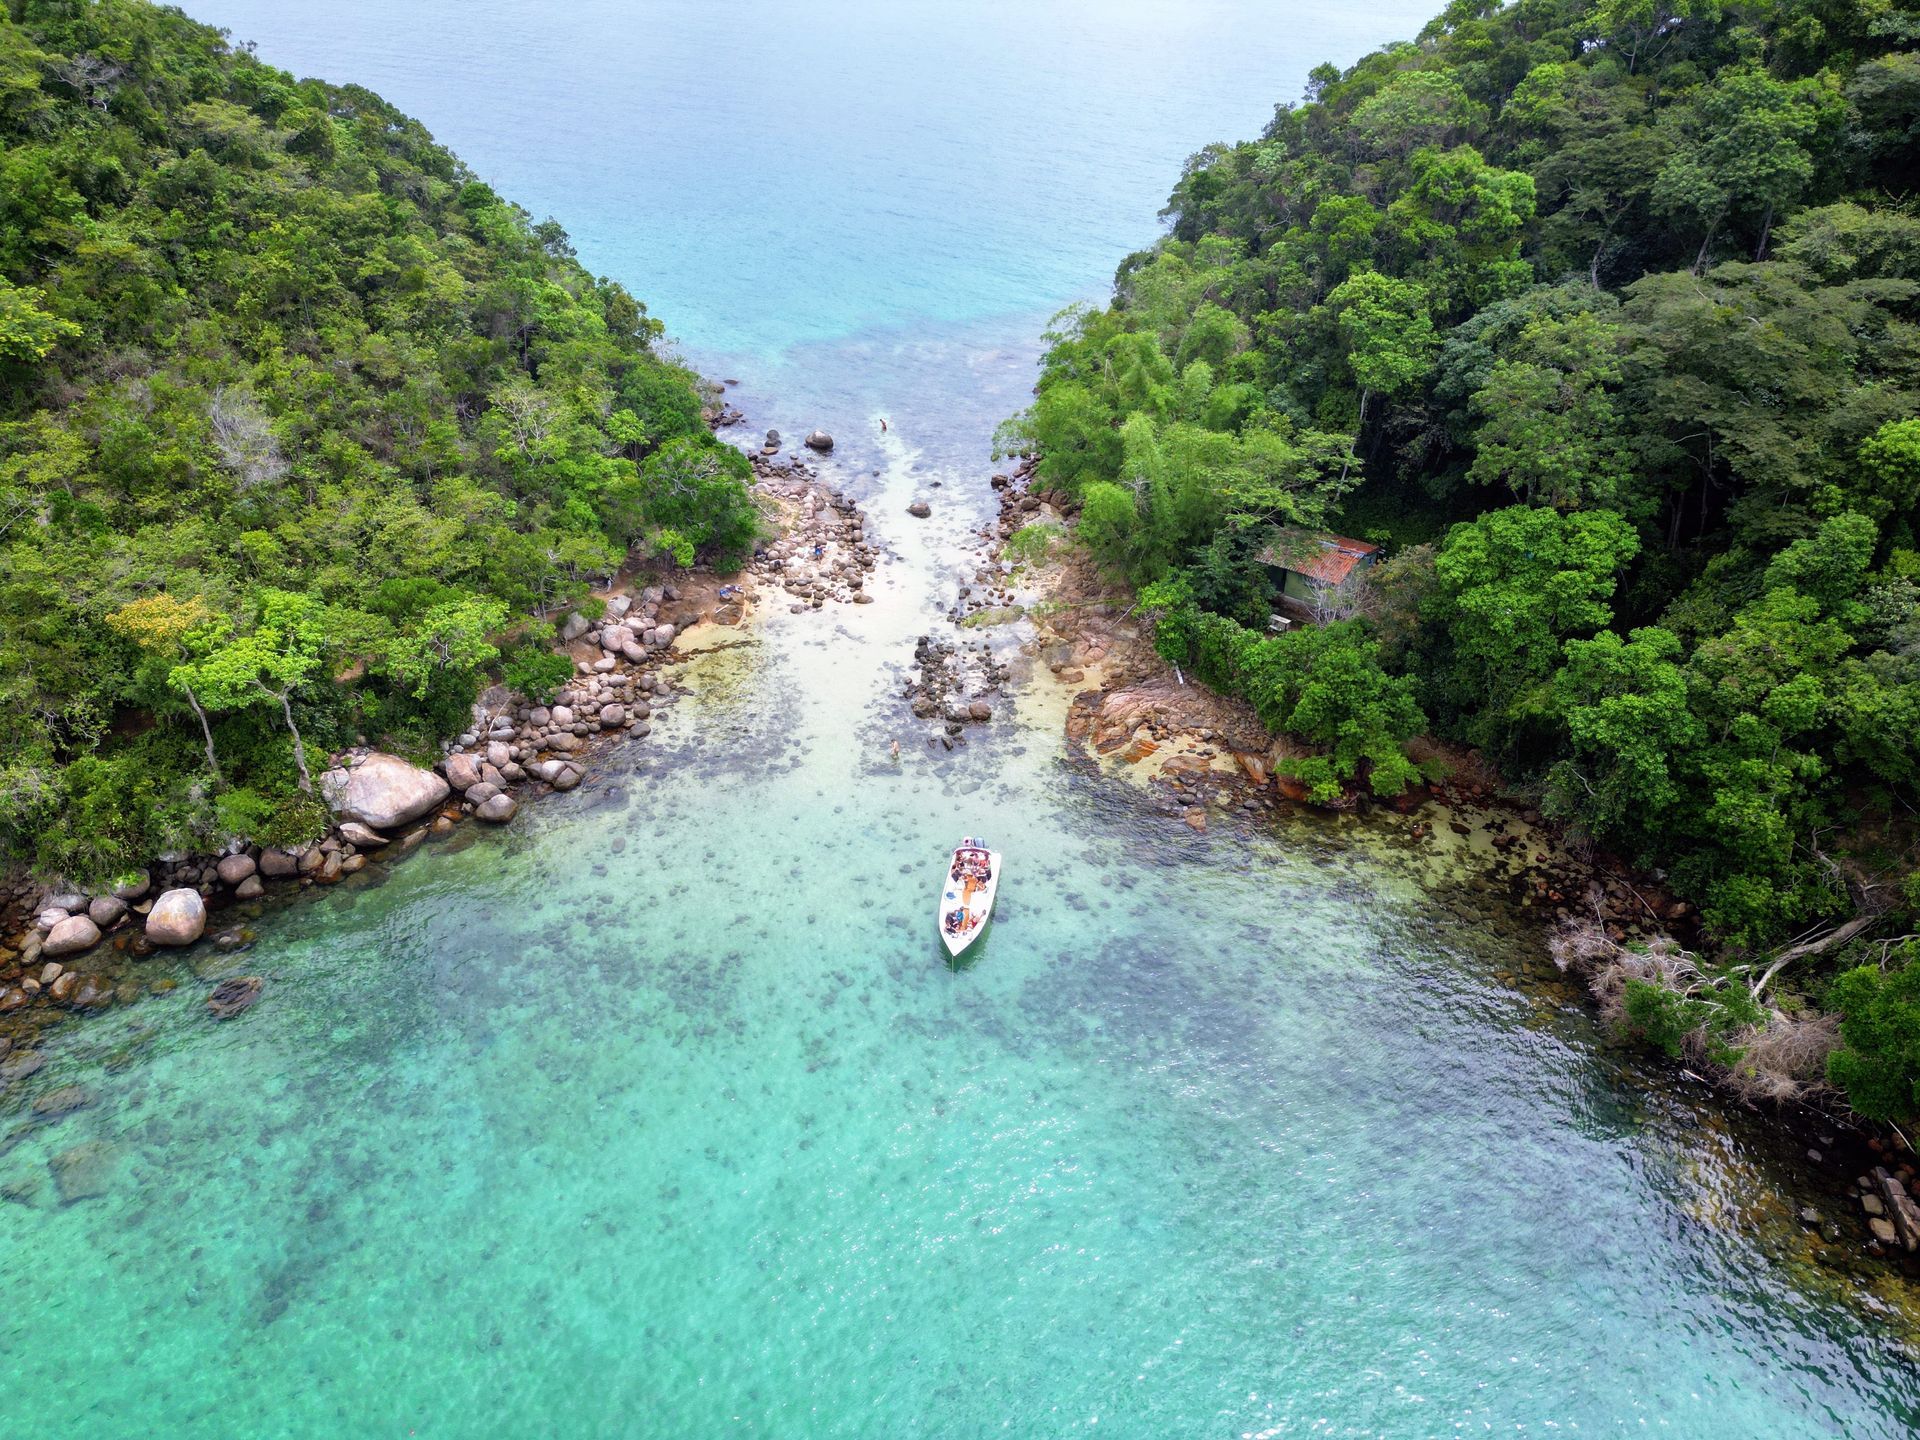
x: 178, y: 917
x: 497, y: 809
x: 383, y: 791
x: 235, y: 868
x: 71, y: 936
x: 106, y: 910
x: 820, y: 440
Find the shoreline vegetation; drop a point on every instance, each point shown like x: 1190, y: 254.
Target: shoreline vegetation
x: 338, y: 502
x: 1203, y: 756
x: 1594, y: 323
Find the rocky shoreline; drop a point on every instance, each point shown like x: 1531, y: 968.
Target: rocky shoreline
x: 71, y: 952
x: 1203, y: 757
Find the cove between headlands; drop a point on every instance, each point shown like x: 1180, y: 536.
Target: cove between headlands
x: 571, y: 486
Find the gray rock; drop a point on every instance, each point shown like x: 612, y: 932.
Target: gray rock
x: 483, y: 792
x: 383, y: 791
x: 106, y: 910
x: 250, y: 888
x: 48, y: 918
x: 920, y: 508
x: 361, y: 837
x: 277, y: 864
x: 71, y: 936
x: 569, y: 776
x: 236, y: 868
x: 615, y: 638
x: 179, y: 917
x: 618, y: 605
x: 463, y: 770
x: 497, y: 809
x: 612, y: 717
x: 134, y: 888
x: 563, y: 715
x: 820, y: 440
x: 68, y: 900
x: 576, y: 625
x: 499, y: 754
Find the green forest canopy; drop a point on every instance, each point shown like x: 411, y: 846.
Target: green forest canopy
x: 287, y: 395
x: 1603, y: 316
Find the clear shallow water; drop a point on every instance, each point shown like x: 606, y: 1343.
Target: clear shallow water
x: 658, y: 1114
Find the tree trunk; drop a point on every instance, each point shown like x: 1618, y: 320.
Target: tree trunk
x: 299, y: 746
x: 1766, y: 229
x: 1700, y: 260
x: 206, y: 730
x: 1361, y: 424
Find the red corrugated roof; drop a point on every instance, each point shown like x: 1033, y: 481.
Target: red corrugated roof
x: 1326, y: 558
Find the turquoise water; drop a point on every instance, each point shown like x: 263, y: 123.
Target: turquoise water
x: 659, y: 1114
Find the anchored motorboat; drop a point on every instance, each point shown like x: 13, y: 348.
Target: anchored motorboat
x: 966, y: 895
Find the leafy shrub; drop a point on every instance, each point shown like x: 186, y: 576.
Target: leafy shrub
x: 536, y: 673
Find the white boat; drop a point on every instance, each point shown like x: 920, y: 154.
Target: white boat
x: 966, y: 894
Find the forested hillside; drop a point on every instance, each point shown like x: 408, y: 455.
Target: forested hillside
x: 298, y: 422
x: 1601, y: 317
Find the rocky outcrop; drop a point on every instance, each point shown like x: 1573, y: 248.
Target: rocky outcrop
x: 179, y: 917
x: 383, y: 791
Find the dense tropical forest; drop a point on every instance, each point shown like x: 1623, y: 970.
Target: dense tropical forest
x: 1600, y: 319
x: 304, y: 432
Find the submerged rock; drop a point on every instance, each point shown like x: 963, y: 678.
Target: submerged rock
x: 84, y: 1171
x: 64, y: 1101
x: 231, y: 997
x: 383, y: 791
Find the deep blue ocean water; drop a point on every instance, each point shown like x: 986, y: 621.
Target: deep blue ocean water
x: 658, y: 1113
